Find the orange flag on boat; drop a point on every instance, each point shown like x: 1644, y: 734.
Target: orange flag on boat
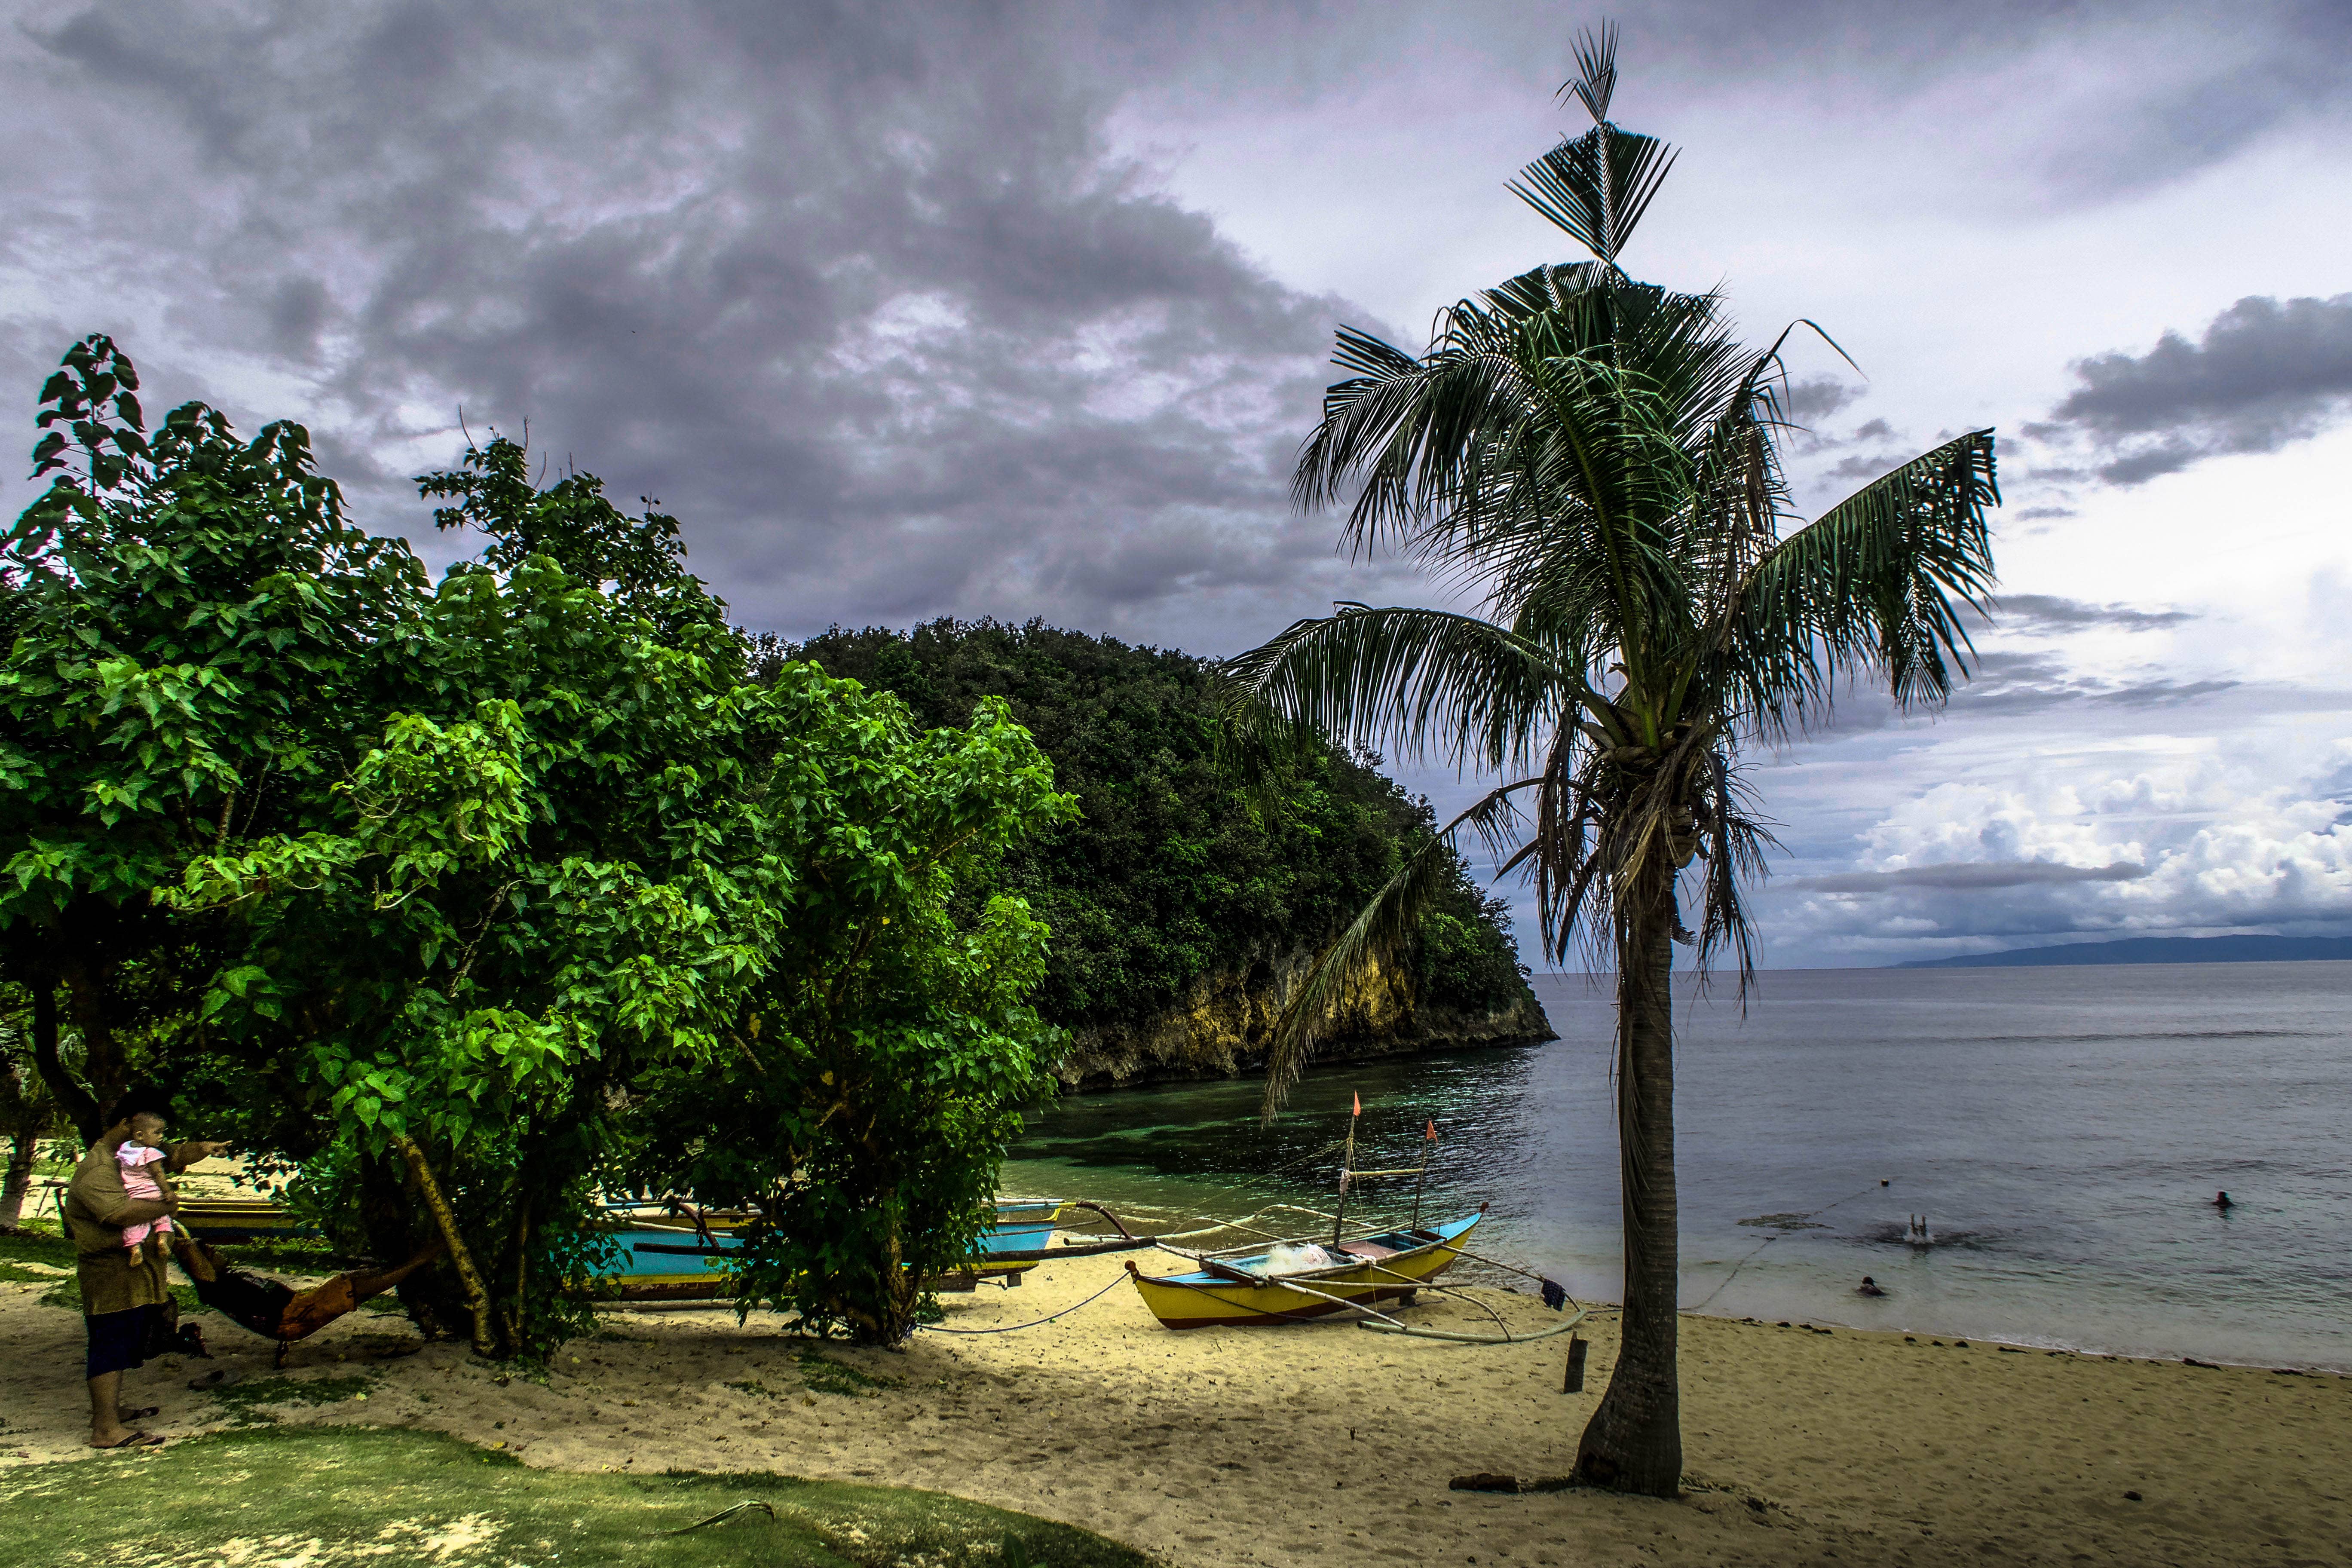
x: 1431, y: 1136
x: 1359, y: 1107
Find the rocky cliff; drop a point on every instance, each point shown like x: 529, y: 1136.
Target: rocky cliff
x: 1222, y: 1027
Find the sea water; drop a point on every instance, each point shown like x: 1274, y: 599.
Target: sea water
x: 2063, y: 1131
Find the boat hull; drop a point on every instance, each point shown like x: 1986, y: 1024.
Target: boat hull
x: 661, y: 1263
x: 1022, y: 1226
x: 223, y: 1221
x: 1205, y: 1301
x: 664, y: 1264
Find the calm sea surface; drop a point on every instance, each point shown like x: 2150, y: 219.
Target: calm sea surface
x: 2063, y: 1130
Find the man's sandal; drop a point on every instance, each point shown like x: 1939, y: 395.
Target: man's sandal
x: 136, y: 1440
x: 142, y: 1413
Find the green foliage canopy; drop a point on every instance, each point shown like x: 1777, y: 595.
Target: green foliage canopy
x: 192, y: 626
x: 1178, y: 865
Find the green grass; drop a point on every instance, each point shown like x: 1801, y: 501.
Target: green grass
x: 37, y: 1247
x: 328, y: 1497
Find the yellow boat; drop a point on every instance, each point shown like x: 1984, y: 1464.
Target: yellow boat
x: 1245, y: 1293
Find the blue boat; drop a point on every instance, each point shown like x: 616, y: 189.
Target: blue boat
x: 682, y: 1261
x: 658, y: 1261
x: 1023, y: 1225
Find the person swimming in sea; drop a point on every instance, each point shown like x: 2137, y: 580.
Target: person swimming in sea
x: 2222, y: 1201
x: 1869, y: 1287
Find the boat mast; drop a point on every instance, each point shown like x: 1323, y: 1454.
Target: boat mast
x: 1346, y: 1161
x: 1428, y: 1147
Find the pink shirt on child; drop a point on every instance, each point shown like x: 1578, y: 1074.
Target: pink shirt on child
x: 139, y: 1183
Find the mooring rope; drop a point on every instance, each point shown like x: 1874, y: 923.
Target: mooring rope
x: 1008, y: 1328
x: 1768, y: 1241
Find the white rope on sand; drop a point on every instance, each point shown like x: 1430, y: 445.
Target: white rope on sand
x: 1008, y: 1328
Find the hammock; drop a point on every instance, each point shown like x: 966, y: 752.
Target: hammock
x: 280, y: 1313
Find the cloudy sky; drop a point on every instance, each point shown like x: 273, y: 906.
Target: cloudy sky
x: 1022, y: 309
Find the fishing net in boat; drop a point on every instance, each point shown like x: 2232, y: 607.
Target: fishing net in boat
x: 1294, y: 1257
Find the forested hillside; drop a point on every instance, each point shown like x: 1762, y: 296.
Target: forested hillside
x: 1180, y: 883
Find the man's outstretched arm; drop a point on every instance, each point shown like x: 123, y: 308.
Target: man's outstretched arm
x: 183, y: 1156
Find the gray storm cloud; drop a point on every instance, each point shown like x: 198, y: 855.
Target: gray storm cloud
x: 2047, y: 613
x: 859, y: 293
x: 2263, y: 372
x: 898, y: 308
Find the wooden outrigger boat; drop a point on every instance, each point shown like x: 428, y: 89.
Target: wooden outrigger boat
x: 1245, y: 1291
x: 1023, y: 1225
x: 683, y: 1254
x: 665, y: 1263
x: 1296, y: 1282
x: 230, y: 1220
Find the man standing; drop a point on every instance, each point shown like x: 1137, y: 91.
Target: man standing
x: 122, y: 1288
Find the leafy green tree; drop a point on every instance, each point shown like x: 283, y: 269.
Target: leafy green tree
x: 877, y: 1077
x: 1597, y: 456
x: 639, y: 562
x: 429, y: 893
x: 191, y: 622
x: 473, y: 981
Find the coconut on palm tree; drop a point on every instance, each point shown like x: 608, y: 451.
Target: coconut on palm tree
x: 1593, y: 463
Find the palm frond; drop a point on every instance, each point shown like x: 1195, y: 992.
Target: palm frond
x: 1378, y: 931
x: 1595, y: 82
x: 1596, y: 187
x: 1871, y: 584
x: 1736, y: 841
x: 1406, y: 426
x: 1552, y: 286
x: 1407, y: 680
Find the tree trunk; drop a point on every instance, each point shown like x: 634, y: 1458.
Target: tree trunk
x: 24, y: 1147
x: 512, y: 1315
x: 469, y: 1279
x: 80, y: 1104
x: 101, y: 1059
x: 23, y: 1119
x: 390, y: 1221
x: 1634, y: 1440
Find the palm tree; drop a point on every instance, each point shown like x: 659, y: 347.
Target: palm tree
x: 1593, y: 463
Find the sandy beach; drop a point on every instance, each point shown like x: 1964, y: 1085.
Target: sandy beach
x: 1326, y: 1445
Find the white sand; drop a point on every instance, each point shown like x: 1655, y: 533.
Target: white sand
x: 1326, y: 1445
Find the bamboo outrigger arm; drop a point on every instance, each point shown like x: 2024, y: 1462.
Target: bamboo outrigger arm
x: 1385, y: 1324
x: 1390, y: 1326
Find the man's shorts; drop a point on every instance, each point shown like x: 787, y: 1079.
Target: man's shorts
x: 118, y: 1341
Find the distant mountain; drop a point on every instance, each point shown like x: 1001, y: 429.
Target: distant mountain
x: 2154, y: 950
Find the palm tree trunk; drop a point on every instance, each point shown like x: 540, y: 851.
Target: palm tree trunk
x: 1634, y: 1440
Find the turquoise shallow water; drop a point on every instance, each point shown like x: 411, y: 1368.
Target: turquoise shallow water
x: 2063, y: 1130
